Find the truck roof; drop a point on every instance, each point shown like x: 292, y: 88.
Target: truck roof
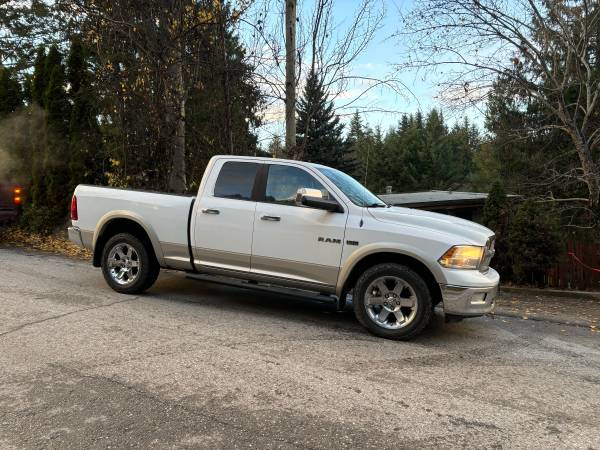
x: 264, y: 158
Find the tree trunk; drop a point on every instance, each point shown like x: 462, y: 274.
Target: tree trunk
x: 290, y: 76
x: 591, y: 174
x: 176, y: 107
x: 225, y: 80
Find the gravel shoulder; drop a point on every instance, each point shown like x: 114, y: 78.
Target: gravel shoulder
x: 582, y: 311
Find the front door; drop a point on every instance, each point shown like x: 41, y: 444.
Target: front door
x: 225, y: 217
x: 291, y: 241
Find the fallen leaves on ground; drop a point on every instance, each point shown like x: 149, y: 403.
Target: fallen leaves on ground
x: 584, y: 310
x: 55, y: 243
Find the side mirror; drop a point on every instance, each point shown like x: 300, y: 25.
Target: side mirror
x: 314, y: 199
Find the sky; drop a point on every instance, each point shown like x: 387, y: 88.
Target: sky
x: 377, y: 61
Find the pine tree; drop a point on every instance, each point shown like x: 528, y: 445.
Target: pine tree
x: 276, y: 148
x: 319, y: 130
x: 354, y: 159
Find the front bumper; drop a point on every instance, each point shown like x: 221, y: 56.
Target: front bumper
x: 75, y: 236
x: 468, y: 301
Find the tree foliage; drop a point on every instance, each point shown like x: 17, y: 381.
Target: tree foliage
x: 320, y: 133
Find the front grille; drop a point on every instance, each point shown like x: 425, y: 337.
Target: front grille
x: 488, y: 254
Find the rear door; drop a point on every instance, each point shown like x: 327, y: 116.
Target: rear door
x: 296, y: 242
x: 225, y: 216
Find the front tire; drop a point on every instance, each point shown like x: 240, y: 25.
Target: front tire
x: 392, y: 301
x: 128, y: 265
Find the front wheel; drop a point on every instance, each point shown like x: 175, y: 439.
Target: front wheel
x: 128, y: 265
x: 392, y: 301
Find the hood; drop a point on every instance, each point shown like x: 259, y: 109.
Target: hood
x: 461, y: 230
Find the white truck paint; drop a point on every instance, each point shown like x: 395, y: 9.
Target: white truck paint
x: 263, y: 234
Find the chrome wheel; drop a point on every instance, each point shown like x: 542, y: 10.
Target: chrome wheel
x: 391, y: 302
x: 124, y: 264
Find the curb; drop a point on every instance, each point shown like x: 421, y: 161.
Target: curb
x: 554, y: 292
x: 541, y: 318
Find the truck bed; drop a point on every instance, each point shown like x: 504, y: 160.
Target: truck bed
x: 163, y: 216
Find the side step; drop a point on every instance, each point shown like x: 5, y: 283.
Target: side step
x: 265, y: 287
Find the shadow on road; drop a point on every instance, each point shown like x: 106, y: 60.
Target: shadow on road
x: 293, y: 308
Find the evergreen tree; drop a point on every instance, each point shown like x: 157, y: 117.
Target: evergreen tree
x: 495, y: 215
x: 534, y: 242
x: 319, y: 130
x: 276, y: 148
x: 355, y: 148
x: 40, y: 77
x: 86, y: 156
x: 11, y: 96
x: 56, y: 161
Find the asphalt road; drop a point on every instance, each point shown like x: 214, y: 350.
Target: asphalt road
x: 199, y: 365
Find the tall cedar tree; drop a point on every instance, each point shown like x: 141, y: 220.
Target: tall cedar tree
x: 11, y: 95
x: 86, y: 157
x: 56, y: 162
x: 495, y: 215
x: 534, y: 242
x: 319, y: 130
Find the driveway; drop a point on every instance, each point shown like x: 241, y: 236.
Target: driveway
x: 198, y: 365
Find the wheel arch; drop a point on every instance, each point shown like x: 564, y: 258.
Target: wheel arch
x: 390, y: 256
x: 124, y: 223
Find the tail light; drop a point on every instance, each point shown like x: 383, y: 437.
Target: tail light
x: 18, y: 196
x: 74, y: 215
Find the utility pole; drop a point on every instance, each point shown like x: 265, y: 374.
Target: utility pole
x: 290, y: 76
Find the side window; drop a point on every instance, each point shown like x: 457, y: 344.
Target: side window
x: 283, y: 183
x: 236, y: 180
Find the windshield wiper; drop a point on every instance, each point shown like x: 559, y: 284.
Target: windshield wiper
x: 377, y: 205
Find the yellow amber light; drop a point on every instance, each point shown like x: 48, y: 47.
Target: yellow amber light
x: 462, y: 257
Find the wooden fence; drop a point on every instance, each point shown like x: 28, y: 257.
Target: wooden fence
x: 578, y: 268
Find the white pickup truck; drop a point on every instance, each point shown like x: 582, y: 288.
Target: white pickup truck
x: 296, y: 225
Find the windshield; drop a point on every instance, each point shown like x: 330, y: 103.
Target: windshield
x: 356, y: 192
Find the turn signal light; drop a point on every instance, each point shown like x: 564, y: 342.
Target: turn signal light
x: 17, y: 199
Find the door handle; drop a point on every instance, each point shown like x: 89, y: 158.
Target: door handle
x: 271, y: 218
x: 211, y: 211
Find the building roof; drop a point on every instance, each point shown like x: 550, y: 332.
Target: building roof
x: 435, y: 198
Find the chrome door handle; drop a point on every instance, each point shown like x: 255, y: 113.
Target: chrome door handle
x: 271, y: 218
x: 211, y: 211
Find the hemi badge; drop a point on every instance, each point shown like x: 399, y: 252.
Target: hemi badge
x: 352, y: 242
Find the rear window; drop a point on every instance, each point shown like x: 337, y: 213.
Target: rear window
x: 236, y: 180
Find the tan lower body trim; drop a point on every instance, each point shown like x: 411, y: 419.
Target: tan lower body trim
x: 301, y: 271
x: 222, y: 259
x: 176, y: 256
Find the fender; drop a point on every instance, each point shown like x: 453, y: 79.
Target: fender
x: 387, y: 247
x: 124, y: 214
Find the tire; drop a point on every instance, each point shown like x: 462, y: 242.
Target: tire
x: 398, y: 287
x: 128, y: 265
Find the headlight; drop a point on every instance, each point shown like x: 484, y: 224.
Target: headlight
x: 462, y: 257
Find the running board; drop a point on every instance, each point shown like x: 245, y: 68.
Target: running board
x: 265, y: 287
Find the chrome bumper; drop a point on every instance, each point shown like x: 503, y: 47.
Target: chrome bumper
x: 75, y: 236
x: 467, y: 301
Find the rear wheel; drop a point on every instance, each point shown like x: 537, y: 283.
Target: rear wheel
x: 392, y: 301
x: 128, y: 265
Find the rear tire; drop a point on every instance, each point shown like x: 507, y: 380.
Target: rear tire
x: 392, y: 301
x: 128, y: 265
